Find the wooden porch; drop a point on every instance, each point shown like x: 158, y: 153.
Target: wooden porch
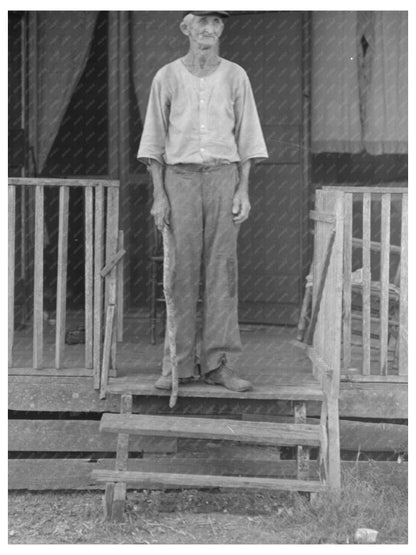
x: 59, y: 392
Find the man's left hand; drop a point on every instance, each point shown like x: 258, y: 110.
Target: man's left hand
x: 241, y: 206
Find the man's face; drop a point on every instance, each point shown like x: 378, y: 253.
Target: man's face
x: 205, y: 30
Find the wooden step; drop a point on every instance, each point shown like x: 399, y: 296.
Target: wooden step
x: 310, y: 390
x: 266, y: 433
x: 164, y: 480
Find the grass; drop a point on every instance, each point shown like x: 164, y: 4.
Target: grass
x: 375, y: 500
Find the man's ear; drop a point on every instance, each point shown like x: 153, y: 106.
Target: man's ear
x: 184, y: 28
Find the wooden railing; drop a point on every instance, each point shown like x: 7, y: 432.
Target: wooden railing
x: 325, y: 352
x: 375, y: 289
x: 101, y: 242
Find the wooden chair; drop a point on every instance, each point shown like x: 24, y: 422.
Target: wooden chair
x: 375, y: 295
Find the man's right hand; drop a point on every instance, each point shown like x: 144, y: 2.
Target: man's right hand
x: 161, y: 211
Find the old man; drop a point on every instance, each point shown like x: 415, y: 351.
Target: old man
x: 200, y: 136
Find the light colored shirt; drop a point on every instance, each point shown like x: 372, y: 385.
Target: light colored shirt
x: 201, y: 120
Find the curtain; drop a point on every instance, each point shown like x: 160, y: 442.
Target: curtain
x: 336, y: 125
x: 385, y: 125
x: 62, y: 45
x: 156, y: 40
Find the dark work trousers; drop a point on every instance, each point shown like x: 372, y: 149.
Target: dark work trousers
x: 202, y: 230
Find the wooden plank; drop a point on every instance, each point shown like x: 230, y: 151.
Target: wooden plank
x: 366, y: 254
x: 373, y: 400
x: 122, y: 457
x: 354, y: 435
x: 108, y: 338
x: 320, y: 289
x: 113, y: 262
x: 80, y: 372
x: 333, y: 338
x: 11, y: 267
x: 63, y: 394
x: 112, y: 223
x: 145, y: 386
x: 119, y: 500
x: 98, y: 286
x: 38, y: 281
x: 154, y: 480
x: 75, y: 474
x: 374, y: 245
x: 108, y: 500
x: 390, y: 188
x: 384, y: 280
x: 203, y: 428
x: 77, y: 436
x: 403, y: 328
x: 57, y: 394
x: 346, y: 324
x: 89, y: 275
x: 318, y: 216
x: 352, y: 377
x: 120, y: 290
x: 58, y: 182
x: 62, y: 275
x: 302, y: 451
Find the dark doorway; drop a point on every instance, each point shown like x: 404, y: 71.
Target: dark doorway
x: 79, y: 150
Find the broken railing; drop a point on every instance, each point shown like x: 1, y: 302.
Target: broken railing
x: 102, y: 243
x: 375, y: 281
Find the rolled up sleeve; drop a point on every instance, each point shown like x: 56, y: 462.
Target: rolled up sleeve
x: 153, y: 140
x: 248, y: 133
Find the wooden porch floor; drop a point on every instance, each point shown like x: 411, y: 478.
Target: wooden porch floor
x: 270, y: 360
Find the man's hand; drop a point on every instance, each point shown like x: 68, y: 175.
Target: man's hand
x: 241, y: 206
x: 161, y: 211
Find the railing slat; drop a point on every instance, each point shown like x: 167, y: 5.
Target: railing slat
x: 98, y: 288
x: 38, y: 281
x: 366, y: 298
x: 112, y: 222
x: 89, y: 275
x: 403, y: 329
x: 120, y: 290
x: 11, y: 266
x: 347, y: 281
x: 384, y: 279
x: 62, y: 275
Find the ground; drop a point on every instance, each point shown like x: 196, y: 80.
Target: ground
x: 215, y: 517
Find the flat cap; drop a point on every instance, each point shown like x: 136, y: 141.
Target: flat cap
x: 221, y: 14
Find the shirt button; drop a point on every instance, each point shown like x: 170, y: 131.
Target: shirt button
x: 202, y: 126
x: 202, y: 149
x: 202, y: 101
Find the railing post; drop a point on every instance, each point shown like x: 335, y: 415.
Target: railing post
x: 348, y: 208
x: 366, y: 295
x: 62, y: 275
x: 11, y: 267
x: 98, y: 285
x: 38, y: 281
x: 385, y: 280
x: 403, y: 315
x: 89, y: 274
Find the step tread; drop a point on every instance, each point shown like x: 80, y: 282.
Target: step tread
x: 162, y: 480
x: 309, y: 391
x: 270, y: 433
